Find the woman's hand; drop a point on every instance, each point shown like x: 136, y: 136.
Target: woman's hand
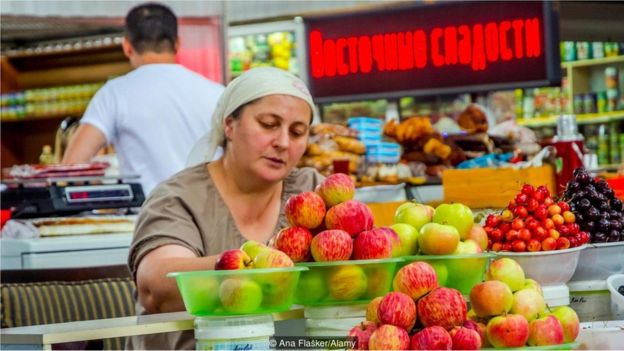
x: 157, y: 293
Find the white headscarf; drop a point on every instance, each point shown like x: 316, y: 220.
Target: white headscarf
x: 249, y: 86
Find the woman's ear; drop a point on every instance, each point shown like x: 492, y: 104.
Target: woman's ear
x: 228, y: 127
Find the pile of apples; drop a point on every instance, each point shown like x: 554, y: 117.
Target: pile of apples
x: 510, y: 311
x: 328, y: 225
x: 447, y: 229
x: 533, y: 221
x: 417, y: 315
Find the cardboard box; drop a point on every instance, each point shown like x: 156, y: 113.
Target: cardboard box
x: 492, y: 187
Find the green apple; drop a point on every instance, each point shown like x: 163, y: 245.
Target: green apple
x: 457, y: 215
x: 200, y: 294
x: 311, y: 287
x: 531, y: 283
x: 438, y: 239
x: 240, y: 295
x: 347, y: 283
x: 252, y: 248
x: 478, y: 234
x: 569, y: 321
x: 507, y: 271
x: 408, y: 235
x: 413, y: 214
x: 379, y: 279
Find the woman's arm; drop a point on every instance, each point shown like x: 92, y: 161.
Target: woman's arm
x: 157, y: 293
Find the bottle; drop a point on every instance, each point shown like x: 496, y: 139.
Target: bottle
x: 603, y: 145
x: 46, y: 157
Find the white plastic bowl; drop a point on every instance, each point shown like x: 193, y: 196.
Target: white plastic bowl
x: 617, y: 300
x: 599, y: 261
x: 547, y: 267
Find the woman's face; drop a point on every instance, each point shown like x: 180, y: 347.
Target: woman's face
x: 270, y: 136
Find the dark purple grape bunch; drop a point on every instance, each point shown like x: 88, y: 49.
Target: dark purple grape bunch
x: 595, y: 206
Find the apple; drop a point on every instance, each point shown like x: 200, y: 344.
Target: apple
x: 397, y: 309
x: 529, y: 303
x: 511, y: 330
x: 306, y: 209
x: 491, y: 298
x: 397, y: 249
x: 240, y: 295
x: 441, y: 272
x: 233, y: 259
x: 352, y: 216
x: 415, y: 279
x: 438, y: 239
x: 311, y: 287
x: 294, y: 242
x: 444, y: 307
x: 389, y: 337
x: 465, y: 339
x: 331, y: 245
x: 362, y: 332
x: 347, y: 282
x: 379, y: 280
x: 432, y: 338
x: 478, y: 234
x: 545, y: 331
x: 464, y: 272
x: 569, y: 321
x: 413, y: 214
x: 371, y: 310
x: 204, y: 291
x: 408, y: 235
x: 272, y: 258
x: 456, y: 215
x: 335, y: 189
x: 480, y: 329
x: 252, y: 248
x: 372, y: 244
x: 508, y: 271
x: 530, y: 283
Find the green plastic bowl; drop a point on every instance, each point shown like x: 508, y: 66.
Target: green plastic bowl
x: 237, y: 292
x: 344, y: 282
x: 566, y: 346
x: 461, y: 272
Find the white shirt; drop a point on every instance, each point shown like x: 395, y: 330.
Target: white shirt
x: 153, y: 116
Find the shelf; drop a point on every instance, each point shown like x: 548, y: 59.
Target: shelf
x: 593, y: 62
x: 588, y: 118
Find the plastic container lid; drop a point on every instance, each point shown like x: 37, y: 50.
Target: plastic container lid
x: 332, y: 312
x: 587, y: 285
x: 234, y: 328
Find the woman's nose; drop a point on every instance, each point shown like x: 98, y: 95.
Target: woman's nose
x: 282, y: 139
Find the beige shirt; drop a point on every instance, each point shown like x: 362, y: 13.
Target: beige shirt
x: 188, y: 210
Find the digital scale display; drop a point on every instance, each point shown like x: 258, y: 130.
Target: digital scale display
x: 119, y: 192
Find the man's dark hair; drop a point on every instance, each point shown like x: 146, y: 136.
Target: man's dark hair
x: 152, y: 27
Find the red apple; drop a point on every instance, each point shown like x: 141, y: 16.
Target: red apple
x: 479, y: 328
x: 233, y: 259
x: 398, y: 309
x: 372, y: 308
x: 491, y: 298
x: 351, y: 216
x: 569, y: 321
x: 371, y: 244
x: 295, y: 242
x: 395, y: 239
x: 415, y: 279
x: 465, y: 339
x: 331, y: 245
x: 529, y: 303
x: 444, y: 307
x: 271, y: 258
x: 335, y: 189
x: 305, y: 210
x: 389, y: 337
x: 432, y: 338
x: 511, y: 330
x: 545, y: 331
x: 478, y: 234
x: 362, y: 332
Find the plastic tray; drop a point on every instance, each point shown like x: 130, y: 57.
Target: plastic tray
x: 566, y: 346
x: 460, y: 272
x: 344, y: 282
x: 237, y: 292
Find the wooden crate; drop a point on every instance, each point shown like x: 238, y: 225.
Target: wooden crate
x: 492, y: 187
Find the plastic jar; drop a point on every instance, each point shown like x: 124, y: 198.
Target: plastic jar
x: 333, y: 320
x: 235, y: 333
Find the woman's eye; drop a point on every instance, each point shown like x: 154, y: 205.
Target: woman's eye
x: 268, y: 125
